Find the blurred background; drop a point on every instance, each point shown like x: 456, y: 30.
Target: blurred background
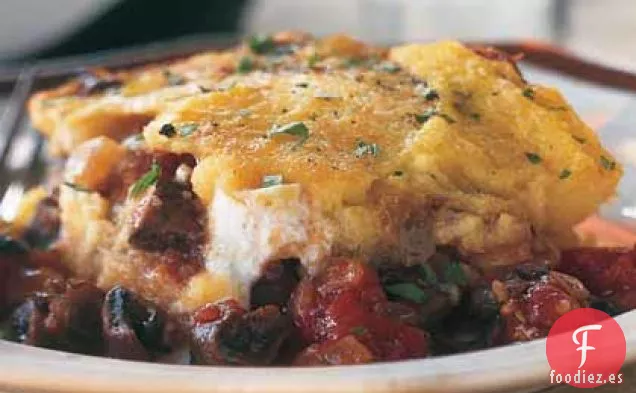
x: 597, y: 29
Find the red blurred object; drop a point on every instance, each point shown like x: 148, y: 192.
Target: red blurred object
x: 347, y: 299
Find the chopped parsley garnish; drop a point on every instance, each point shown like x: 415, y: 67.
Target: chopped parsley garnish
x: 261, y: 43
x: 528, y: 93
x: 429, y: 113
x: 302, y: 84
x: 428, y: 274
x: 148, y: 179
x: 475, y: 116
x: 359, y: 330
x: 389, y: 67
x: 272, y: 180
x: 427, y: 92
x: 607, y: 163
x: 297, y: 128
x: 565, y: 174
x: 76, y: 187
x: 352, y: 62
x: 398, y: 173
x: 426, y: 115
x: 313, y: 60
x: 454, y: 273
x: 407, y: 291
x: 173, y: 79
x: 245, y: 65
x: 188, y: 129
x: 533, y: 158
x: 362, y: 149
x: 168, y: 130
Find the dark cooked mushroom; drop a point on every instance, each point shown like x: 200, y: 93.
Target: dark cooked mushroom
x: 13, y: 254
x: 224, y: 334
x: 68, y: 321
x: 133, y: 329
x: 276, y: 284
x: 45, y: 224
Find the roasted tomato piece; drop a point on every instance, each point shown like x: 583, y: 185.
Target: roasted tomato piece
x: 223, y: 333
x: 609, y: 273
x: 67, y: 321
x: 347, y: 350
x: 134, y: 329
x: 347, y: 299
x: 529, y: 308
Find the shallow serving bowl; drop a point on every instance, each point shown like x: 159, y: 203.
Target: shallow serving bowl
x: 520, y: 367
x: 510, y: 368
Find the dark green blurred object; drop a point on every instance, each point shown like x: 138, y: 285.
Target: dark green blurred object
x: 134, y: 22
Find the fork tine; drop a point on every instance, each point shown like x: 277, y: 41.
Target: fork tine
x: 12, y: 189
x: 12, y: 117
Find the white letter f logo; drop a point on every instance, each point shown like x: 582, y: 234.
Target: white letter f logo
x: 583, y: 344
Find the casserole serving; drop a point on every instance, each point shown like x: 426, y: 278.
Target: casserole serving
x: 309, y: 202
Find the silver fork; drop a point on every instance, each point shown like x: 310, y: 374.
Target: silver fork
x: 21, y: 161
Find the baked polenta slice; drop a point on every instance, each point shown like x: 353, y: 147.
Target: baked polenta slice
x: 293, y: 148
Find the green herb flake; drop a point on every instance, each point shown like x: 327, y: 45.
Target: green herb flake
x: 148, y: 179
x: 607, y: 163
x: 528, y: 93
x: 407, y: 291
x: 454, y: 273
x: 475, y: 116
x: 272, y: 180
x: 188, y: 129
x: 534, y: 158
x: 565, y: 173
x: 261, y: 43
x: 302, y: 85
x: 359, y: 330
x: 362, y: 149
x: 353, y: 62
x: 297, y: 128
x: 428, y: 274
x: 245, y: 65
x: 173, y: 79
x: 76, y: 187
x: 398, y: 173
x: 426, y: 115
x: 427, y: 92
x: 429, y: 113
x: 313, y: 60
x: 388, y: 66
x: 168, y: 130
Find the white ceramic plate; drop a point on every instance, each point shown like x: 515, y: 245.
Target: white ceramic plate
x: 521, y: 366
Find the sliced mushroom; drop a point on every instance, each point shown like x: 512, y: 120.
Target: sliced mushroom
x: 232, y: 336
x: 133, y: 329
